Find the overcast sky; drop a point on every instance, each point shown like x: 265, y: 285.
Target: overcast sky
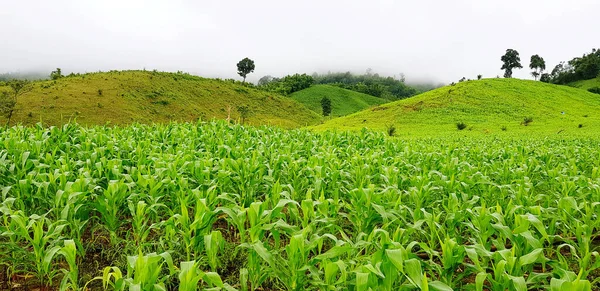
x: 439, y: 40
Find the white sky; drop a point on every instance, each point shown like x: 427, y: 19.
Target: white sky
x: 437, y: 40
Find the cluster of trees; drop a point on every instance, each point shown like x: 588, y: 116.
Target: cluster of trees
x: 511, y: 60
x: 286, y: 85
x: 580, y: 68
x: 369, y: 83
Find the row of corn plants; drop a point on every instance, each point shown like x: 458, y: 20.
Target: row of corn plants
x: 215, y: 206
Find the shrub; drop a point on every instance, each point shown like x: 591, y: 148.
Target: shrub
x: 461, y: 125
x: 503, y: 128
x: 527, y: 120
x: 595, y: 90
x: 161, y: 102
x: 100, y: 92
x: 326, y: 106
x: 391, y: 130
x: 580, y: 125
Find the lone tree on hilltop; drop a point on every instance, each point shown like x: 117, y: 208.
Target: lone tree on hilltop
x: 326, y: 106
x: 245, y: 67
x: 55, y: 75
x: 511, y: 61
x: 538, y: 65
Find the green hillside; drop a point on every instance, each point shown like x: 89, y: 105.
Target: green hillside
x: 485, y: 106
x: 343, y: 101
x: 586, y: 84
x: 122, y: 97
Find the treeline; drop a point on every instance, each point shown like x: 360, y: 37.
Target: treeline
x: 579, y: 68
x: 371, y: 84
x: 368, y: 83
x: 286, y: 85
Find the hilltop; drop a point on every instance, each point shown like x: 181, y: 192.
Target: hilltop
x: 343, y: 101
x: 485, y: 106
x: 123, y: 97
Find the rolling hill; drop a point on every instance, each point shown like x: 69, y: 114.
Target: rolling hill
x: 122, y: 97
x: 343, y: 101
x: 587, y: 84
x: 485, y: 106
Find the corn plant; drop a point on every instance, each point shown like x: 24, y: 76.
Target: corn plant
x: 70, y: 276
x: 41, y: 235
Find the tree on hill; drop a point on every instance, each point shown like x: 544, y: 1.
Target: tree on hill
x: 8, y: 101
x: 7, y: 106
x: 326, y: 106
x: 545, y: 77
x: 245, y: 67
x: 580, y: 68
x: 56, y: 74
x: 511, y: 61
x: 244, y: 112
x: 265, y: 80
x: 538, y: 65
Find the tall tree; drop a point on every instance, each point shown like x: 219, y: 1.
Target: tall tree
x: 7, y: 106
x: 511, y: 61
x: 244, y: 112
x: 8, y: 102
x: 538, y: 65
x: 55, y: 75
x: 326, y: 106
x: 245, y: 67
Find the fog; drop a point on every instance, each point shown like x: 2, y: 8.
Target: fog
x: 427, y: 40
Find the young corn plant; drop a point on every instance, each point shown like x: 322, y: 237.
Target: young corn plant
x: 70, y: 276
x: 41, y: 235
x: 213, y: 245
x: 191, y: 277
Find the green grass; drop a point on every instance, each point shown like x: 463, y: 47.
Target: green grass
x: 147, y: 97
x: 485, y: 106
x: 587, y: 84
x: 343, y: 101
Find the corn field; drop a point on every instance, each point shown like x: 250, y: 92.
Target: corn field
x: 213, y: 206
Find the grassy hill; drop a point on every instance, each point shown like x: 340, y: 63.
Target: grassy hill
x: 343, y: 101
x: 485, y: 106
x: 122, y: 97
x: 586, y: 84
